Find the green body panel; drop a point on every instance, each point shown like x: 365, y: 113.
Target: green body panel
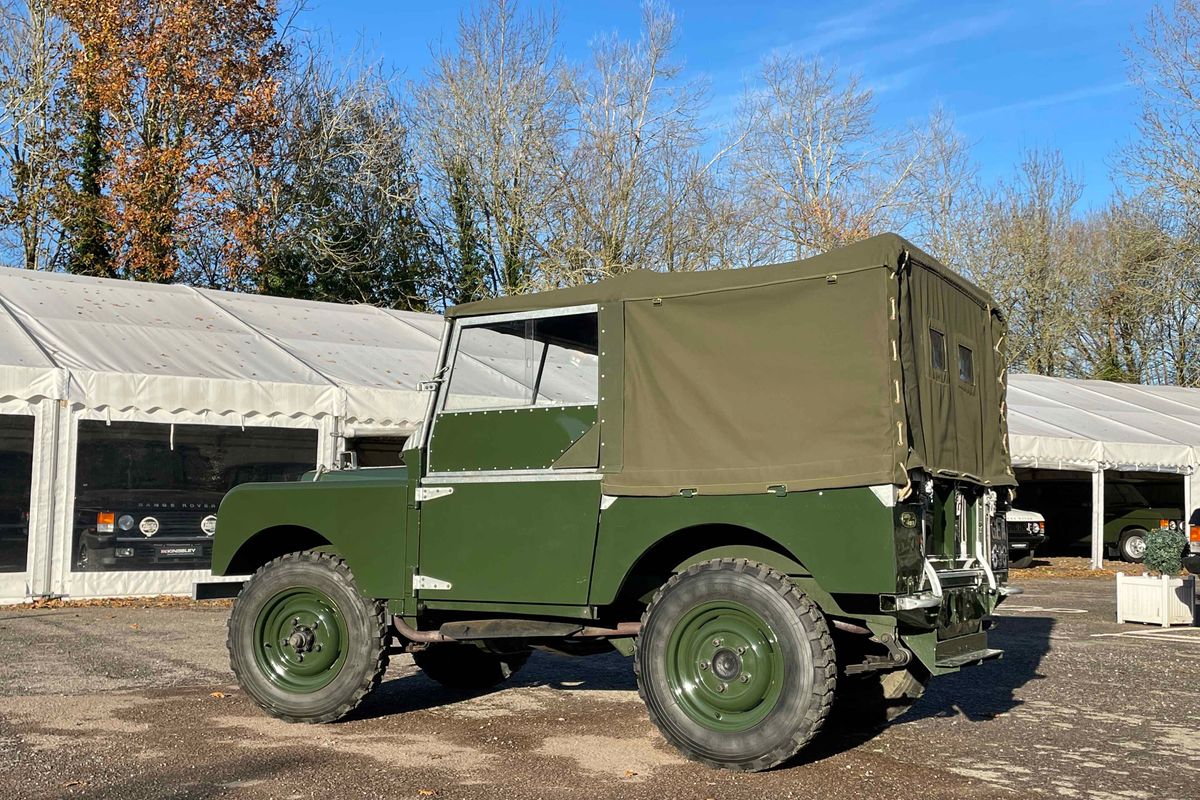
x: 506, y: 439
x: 511, y: 542
x: 828, y: 532
x: 361, y: 513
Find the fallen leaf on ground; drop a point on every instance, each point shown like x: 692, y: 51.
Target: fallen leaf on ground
x: 217, y: 695
x: 426, y: 792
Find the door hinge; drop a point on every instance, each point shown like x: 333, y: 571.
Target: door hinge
x: 433, y: 492
x: 424, y: 582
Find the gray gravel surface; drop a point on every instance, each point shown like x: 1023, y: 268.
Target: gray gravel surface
x: 117, y: 703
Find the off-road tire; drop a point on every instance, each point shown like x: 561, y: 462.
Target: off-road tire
x: 467, y: 668
x: 807, y: 677
x: 1123, y: 545
x: 870, y: 701
x: 367, y: 635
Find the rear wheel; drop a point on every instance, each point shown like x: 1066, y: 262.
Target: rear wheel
x: 465, y: 667
x: 1132, y: 545
x: 303, y: 641
x: 735, y: 665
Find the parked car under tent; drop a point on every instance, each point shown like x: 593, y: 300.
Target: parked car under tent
x: 127, y: 409
x: 1126, y: 441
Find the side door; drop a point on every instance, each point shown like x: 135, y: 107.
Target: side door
x: 511, y: 495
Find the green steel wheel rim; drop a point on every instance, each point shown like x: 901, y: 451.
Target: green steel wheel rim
x: 725, y: 666
x: 300, y: 640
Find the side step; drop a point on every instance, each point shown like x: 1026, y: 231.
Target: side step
x: 966, y: 659
x: 508, y: 629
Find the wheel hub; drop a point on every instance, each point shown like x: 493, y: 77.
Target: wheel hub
x: 301, y: 640
x: 726, y: 664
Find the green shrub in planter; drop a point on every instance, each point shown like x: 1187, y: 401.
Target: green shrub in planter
x: 1164, y: 551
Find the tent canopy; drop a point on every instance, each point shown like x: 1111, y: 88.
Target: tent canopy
x: 123, y: 345
x: 1091, y: 425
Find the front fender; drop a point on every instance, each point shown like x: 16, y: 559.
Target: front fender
x: 363, y: 520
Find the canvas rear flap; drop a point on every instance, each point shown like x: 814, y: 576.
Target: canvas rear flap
x: 740, y: 391
x: 954, y: 414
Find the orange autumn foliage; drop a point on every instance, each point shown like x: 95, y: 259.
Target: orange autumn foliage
x: 187, y: 90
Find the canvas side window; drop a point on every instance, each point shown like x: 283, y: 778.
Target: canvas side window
x: 966, y: 365
x: 546, y: 361
x: 937, y: 351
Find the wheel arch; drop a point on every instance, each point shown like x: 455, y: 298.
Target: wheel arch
x: 681, y: 548
x: 271, y: 543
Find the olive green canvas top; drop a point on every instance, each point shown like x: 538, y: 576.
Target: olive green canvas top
x: 882, y: 250
x: 814, y: 374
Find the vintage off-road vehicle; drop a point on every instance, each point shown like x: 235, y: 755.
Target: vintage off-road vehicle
x: 780, y: 489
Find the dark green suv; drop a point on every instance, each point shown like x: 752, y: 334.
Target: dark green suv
x: 1131, y: 509
x: 775, y: 488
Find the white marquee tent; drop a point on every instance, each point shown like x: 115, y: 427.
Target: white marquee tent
x: 75, y: 348
x: 1095, y: 426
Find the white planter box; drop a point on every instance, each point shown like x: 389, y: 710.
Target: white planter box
x: 1157, y: 599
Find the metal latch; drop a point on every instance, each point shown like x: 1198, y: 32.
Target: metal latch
x: 432, y: 492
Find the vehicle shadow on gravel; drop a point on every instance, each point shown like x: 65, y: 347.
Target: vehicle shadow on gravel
x: 984, y: 692
x: 415, y: 692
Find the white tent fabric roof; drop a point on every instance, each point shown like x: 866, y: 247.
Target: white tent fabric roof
x: 125, y: 345
x: 1065, y: 423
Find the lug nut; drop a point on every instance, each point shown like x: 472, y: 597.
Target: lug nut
x: 745, y: 677
x: 717, y: 642
x: 741, y: 651
x: 703, y: 665
x: 722, y: 687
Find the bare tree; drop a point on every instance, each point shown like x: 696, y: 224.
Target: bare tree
x: 490, y: 119
x: 948, y: 200
x: 32, y: 69
x: 818, y: 169
x: 1163, y: 163
x: 1029, y: 260
x: 1165, y: 157
x: 636, y: 190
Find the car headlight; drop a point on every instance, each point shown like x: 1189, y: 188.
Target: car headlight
x: 125, y: 523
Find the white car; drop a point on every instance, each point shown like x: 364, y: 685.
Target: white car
x: 1026, y: 532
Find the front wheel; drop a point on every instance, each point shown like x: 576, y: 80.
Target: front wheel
x: 1133, y: 546
x: 303, y: 641
x: 735, y: 664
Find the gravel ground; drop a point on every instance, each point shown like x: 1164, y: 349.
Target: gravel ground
x: 139, y: 703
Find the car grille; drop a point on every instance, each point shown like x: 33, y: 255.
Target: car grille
x: 171, y: 523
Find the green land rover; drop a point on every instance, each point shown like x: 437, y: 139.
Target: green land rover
x: 781, y: 490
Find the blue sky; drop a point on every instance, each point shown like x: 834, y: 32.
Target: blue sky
x: 1014, y: 74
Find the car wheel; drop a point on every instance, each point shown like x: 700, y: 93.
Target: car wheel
x: 1023, y: 562
x: 735, y: 664
x: 304, y: 643
x: 1132, y: 546
x: 467, y: 668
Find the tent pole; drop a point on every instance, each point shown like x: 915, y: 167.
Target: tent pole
x: 1098, y: 519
